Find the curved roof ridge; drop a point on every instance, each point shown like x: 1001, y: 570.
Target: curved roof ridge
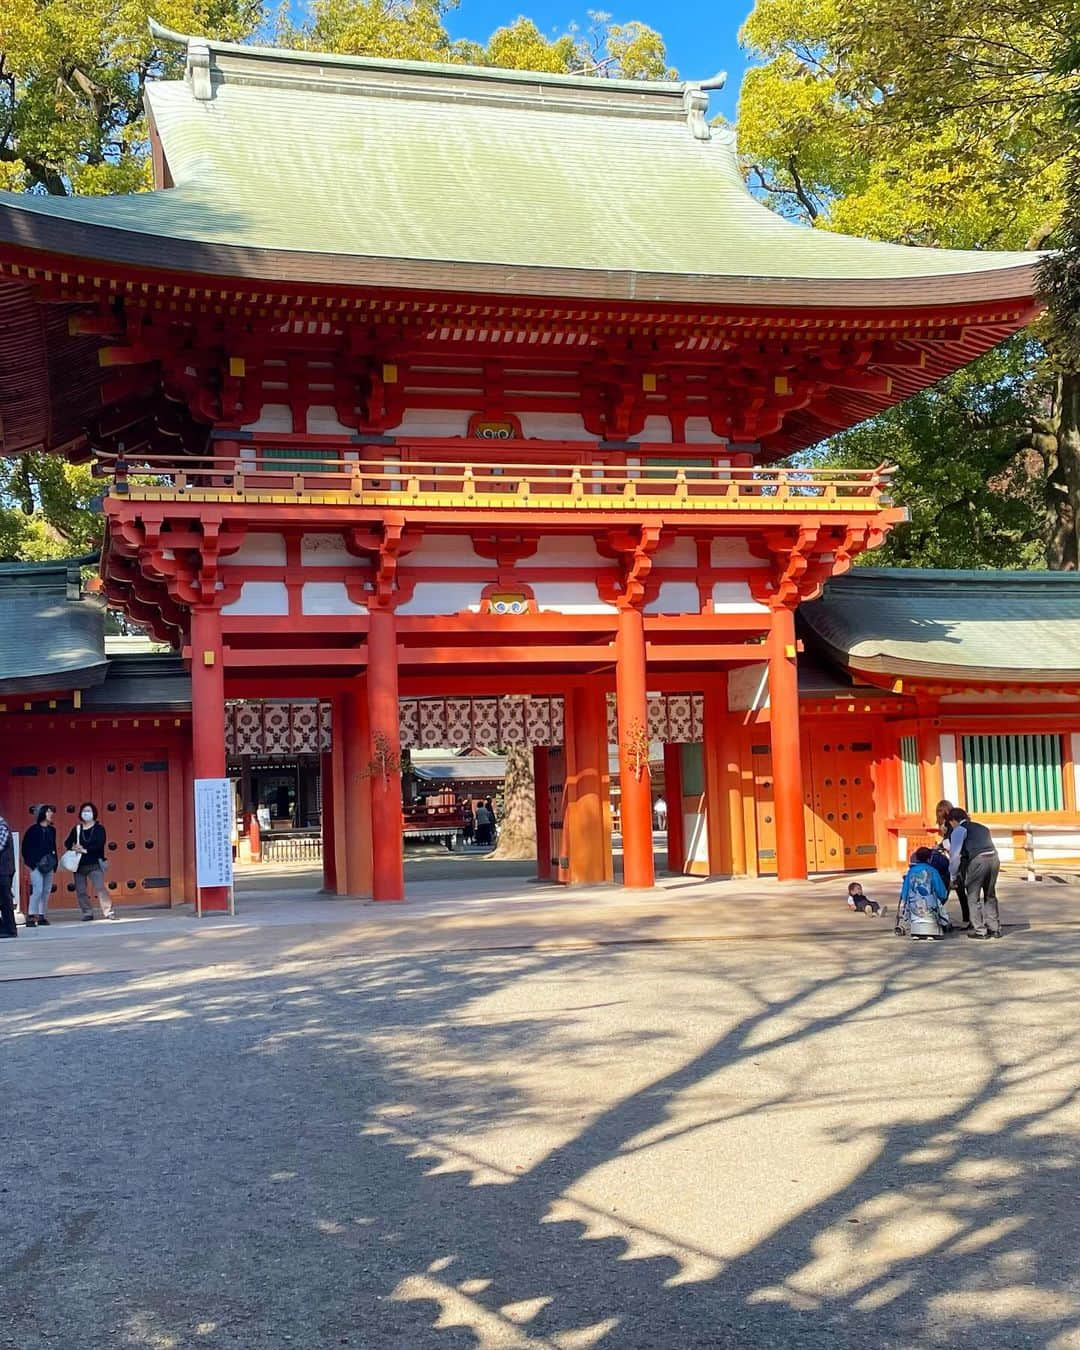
x: 257, y: 55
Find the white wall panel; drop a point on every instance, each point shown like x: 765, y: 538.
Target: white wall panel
x: 733, y: 597
x: 328, y: 550
x: 260, y: 597
x: 570, y: 597
x: 676, y: 597
x: 443, y: 597
x: 328, y: 597
x: 259, y: 550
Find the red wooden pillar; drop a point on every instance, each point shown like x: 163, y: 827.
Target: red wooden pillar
x: 208, y: 714
x: 713, y: 755
x: 635, y: 787
x: 786, y: 748
x: 542, y: 798
x: 387, y: 824
x: 329, y: 830
x: 587, y: 816
x: 673, y: 795
x: 354, y: 816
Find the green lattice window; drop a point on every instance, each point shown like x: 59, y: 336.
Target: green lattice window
x: 1013, y: 773
x: 911, y: 781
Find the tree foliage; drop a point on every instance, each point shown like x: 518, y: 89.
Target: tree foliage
x: 965, y: 469
x: 416, y: 30
x: 933, y: 122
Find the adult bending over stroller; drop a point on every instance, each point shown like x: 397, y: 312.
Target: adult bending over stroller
x: 921, y: 911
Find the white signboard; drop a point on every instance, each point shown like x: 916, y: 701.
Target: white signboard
x: 213, y: 832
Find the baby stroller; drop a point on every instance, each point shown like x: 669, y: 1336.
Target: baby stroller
x: 920, y: 913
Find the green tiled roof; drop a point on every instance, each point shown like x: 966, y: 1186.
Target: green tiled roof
x: 1011, y: 626
x: 51, y: 639
x: 353, y: 170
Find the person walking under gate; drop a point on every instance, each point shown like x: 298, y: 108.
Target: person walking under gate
x: 39, y: 855
x: 88, y: 838
x: 973, y: 857
x: 7, y: 878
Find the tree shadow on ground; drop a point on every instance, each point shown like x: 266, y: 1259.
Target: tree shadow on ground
x: 550, y: 1149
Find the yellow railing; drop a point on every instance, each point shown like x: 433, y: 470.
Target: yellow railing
x: 340, y: 479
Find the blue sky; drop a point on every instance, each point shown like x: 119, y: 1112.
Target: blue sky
x: 701, y: 39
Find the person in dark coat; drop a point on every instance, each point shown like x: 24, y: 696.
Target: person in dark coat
x: 39, y: 855
x: 88, y: 838
x: 941, y: 812
x: 8, y: 928
x: 973, y: 857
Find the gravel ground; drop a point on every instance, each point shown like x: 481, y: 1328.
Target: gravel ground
x: 783, y: 1144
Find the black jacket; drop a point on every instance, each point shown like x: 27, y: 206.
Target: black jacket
x: 7, y: 852
x: 37, y: 842
x: 92, y: 838
x: 977, y: 839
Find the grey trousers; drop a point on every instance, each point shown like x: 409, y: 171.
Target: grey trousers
x: 981, y: 881
x: 83, y: 882
x: 40, y: 890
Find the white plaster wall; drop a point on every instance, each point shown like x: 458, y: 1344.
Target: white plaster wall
x: 570, y: 597
x: 656, y: 428
x: 327, y: 550
x: 443, y: 597
x: 950, y: 771
x: 445, y: 550
x: 322, y: 420
x: 432, y: 422
x: 698, y: 432
x: 696, y: 834
x: 328, y: 597
x: 547, y: 426
x: 733, y: 597
x: 259, y: 550
x: 731, y: 551
x: 572, y: 551
x: 675, y: 597
x: 748, y: 687
x: 273, y: 417
x: 681, y: 552
x: 260, y: 597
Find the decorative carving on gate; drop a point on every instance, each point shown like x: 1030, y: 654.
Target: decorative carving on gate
x: 261, y: 728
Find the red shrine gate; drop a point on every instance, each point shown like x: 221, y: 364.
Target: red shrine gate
x: 356, y: 454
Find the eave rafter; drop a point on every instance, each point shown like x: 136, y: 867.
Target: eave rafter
x: 764, y: 377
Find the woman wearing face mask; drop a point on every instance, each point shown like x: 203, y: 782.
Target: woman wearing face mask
x: 88, y: 838
x: 39, y: 855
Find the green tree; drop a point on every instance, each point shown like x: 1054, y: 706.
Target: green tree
x: 930, y: 122
x: 45, y: 509
x: 416, y: 30
x: 965, y: 472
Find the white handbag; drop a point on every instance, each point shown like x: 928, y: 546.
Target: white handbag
x: 70, y: 860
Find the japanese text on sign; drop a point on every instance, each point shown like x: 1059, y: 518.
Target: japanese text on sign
x: 213, y: 832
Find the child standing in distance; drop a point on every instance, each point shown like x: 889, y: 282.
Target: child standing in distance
x: 858, y: 900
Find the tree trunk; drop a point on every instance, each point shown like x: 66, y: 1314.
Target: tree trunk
x: 1063, y: 477
x: 517, y: 829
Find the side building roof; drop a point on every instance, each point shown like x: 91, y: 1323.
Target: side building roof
x: 354, y: 171
x: 993, y: 626
x: 51, y: 638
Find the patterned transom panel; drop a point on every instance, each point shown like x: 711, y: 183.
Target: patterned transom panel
x: 675, y: 719
x: 277, y: 728
x: 486, y: 723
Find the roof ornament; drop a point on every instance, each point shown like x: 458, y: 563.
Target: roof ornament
x: 696, y: 104
x: 197, y: 71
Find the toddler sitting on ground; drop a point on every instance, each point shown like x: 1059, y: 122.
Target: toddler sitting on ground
x: 857, y: 900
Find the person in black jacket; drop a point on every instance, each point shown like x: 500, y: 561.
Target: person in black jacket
x: 39, y: 855
x: 88, y: 838
x: 973, y: 858
x: 7, y: 876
